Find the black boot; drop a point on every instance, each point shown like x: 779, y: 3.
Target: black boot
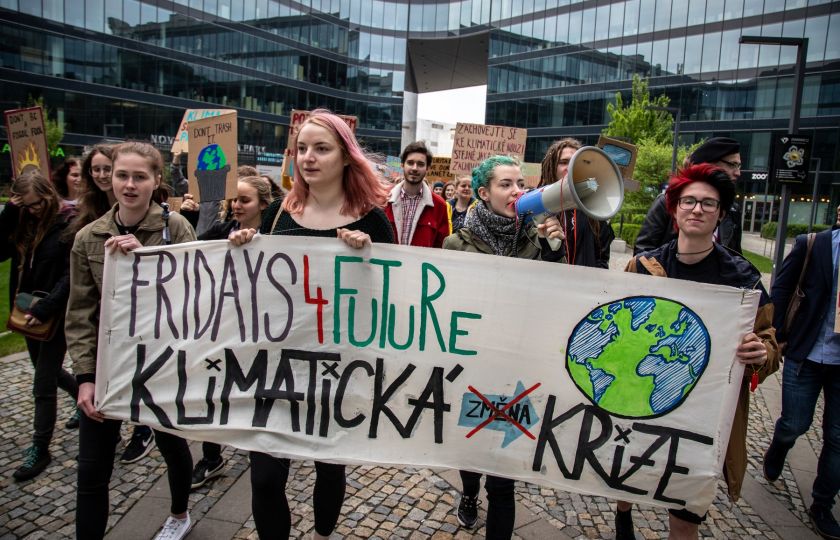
x: 35, y: 461
x: 624, y: 529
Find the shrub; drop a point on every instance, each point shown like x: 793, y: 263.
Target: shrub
x: 793, y: 229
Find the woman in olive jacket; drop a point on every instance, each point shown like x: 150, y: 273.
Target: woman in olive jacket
x: 492, y: 227
x: 135, y: 221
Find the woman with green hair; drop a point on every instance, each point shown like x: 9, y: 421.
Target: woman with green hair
x: 492, y: 227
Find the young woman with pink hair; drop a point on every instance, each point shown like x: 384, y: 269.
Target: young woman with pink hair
x: 336, y: 194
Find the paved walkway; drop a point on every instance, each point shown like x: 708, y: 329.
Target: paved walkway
x: 381, y: 502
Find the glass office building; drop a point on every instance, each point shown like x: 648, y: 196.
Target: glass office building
x: 128, y: 68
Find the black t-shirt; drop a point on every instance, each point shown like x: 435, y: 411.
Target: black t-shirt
x: 374, y: 223
x: 706, y: 270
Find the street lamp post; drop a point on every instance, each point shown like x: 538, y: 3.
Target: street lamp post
x: 801, y: 45
x: 677, y: 113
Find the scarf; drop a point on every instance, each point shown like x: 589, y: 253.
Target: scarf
x: 498, y: 232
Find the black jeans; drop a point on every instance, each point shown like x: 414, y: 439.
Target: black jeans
x: 211, y: 451
x: 97, y: 447
x: 47, y: 357
x: 268, y: 496
x: 501, y: 507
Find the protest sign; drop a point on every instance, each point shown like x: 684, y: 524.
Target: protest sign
x: 181, y: 141
x: 213, y: 156
x: 476, y: 142
x: 27, y: 140
x: 439, y: 170
x: 622, y: 387
x: 299, y: 117
x: 532, y: 173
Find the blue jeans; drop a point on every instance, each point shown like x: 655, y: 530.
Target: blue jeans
x: 801, y: 386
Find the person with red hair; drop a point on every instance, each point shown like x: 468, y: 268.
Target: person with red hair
x: 695, y: 200
x: 336, y: 194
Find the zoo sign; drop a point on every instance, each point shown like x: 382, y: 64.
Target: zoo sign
x: 622, y: 387
x: 791, y: 154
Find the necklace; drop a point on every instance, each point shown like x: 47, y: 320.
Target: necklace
x: 124, y: 229
x: 679, y: 255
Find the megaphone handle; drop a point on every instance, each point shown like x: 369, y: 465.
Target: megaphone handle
x: 554, y: 243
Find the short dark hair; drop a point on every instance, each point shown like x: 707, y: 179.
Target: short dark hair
x: 416, y: 147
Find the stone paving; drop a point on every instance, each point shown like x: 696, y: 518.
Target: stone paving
x: 381, y: 502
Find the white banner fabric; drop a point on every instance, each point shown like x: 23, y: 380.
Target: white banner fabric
x: 582, y: 379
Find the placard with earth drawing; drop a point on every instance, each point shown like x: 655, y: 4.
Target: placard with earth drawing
x: 212, y: 160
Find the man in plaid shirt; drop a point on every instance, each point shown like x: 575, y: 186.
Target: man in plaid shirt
x: 418, y: 216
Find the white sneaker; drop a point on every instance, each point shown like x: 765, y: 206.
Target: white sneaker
x: 175, y: 529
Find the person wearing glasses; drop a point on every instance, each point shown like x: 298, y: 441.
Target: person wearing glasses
x: 695, y: 200
x: 33, y: 225
x: 658, y: 227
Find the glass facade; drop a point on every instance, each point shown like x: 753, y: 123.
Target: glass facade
x: 128, y: 68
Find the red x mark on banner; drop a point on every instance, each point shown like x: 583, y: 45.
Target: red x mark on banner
x: 496, y: 413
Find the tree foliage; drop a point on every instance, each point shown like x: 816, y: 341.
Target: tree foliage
x: 652, y: 133
x: 55, y: 129
x: 636, y: 121
x: 653, y: 168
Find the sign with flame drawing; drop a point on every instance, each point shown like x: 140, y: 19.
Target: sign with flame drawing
x: 28, y: 140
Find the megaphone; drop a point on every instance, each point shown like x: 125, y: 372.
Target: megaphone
x: 593, y: 184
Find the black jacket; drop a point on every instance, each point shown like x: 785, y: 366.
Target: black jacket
x: 817, y: 286
x: 219, y: 230
x: 735, y: 270
x: 47, y: 269
x: 658, y: 228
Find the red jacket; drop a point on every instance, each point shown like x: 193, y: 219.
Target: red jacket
x: 431, y: 222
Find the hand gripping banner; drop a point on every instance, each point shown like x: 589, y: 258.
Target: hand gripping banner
x: 586, y: 380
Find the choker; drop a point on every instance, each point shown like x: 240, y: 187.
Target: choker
x: 695, y: 252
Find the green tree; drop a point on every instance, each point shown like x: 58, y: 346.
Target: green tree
x: 653, y: 166
x: 637, y: 121
x: 55, y: 129
x: 652, y: 133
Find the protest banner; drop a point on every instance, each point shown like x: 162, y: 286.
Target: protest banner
x: 212, y: 157
x: 439, y: 170
x: 27, y: 140
x: 302, y: 347
x: 476, y: 142
x: 392, y: 169
x: 181, y: 141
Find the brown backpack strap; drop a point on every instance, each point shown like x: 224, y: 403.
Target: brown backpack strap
x: 276, y: 218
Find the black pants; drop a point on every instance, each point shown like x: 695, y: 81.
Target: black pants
x: 501, y: 507
x: 268, y: 496
x: 47, y: 357
x: 97, y: 446
x: 211, y: 451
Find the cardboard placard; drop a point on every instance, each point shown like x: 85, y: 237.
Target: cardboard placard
x: 624, y: 155
x: 299, y: 117
x: 181, y: 141
x: 27, y: 140
x: 532, y: 173
x: 175, y: 203
x: 439, y: 170
x: 476, y: 142
x: 213, y: 155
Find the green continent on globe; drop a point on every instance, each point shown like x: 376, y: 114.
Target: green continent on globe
x: 638, y: 357
x: 211, y: 158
